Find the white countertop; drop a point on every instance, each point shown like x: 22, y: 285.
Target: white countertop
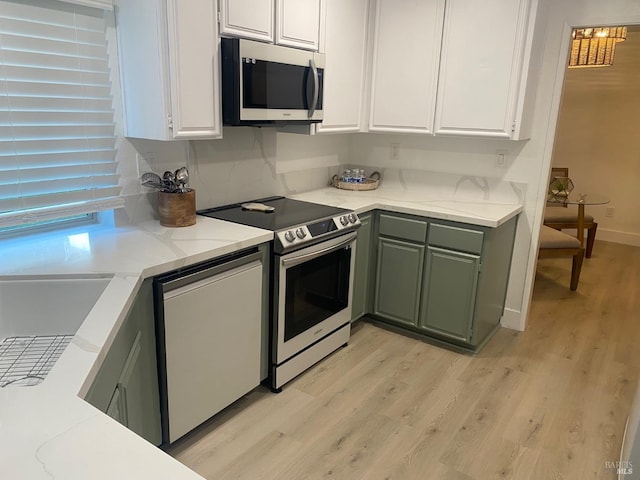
x: 49, y: 431
x: 416, y: 202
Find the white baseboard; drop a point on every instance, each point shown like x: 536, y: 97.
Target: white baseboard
x: 616, y: 236
x: 512, y: 319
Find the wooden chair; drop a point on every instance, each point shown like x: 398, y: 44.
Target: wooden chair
x: 560, y: 217
x: 554, y: 243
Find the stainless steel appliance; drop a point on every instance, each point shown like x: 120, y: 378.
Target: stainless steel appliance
x: 263, y: 83
x: 312, y: 278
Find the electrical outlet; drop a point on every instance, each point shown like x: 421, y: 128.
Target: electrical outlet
x: 394, y: 153
x: 502, y: 158
x: 610, y: 212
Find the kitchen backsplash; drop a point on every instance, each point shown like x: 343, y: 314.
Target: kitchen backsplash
x: 451, y: 186
x: 250, y: 163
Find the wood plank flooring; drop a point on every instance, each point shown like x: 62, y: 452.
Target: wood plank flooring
x: 548, y: 403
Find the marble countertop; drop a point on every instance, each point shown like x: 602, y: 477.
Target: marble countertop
x: 48, y: 431
x: 491, y: 212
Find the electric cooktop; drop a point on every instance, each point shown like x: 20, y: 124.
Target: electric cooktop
x: 295, y: 222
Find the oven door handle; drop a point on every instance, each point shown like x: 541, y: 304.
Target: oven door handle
x: 296, y: 260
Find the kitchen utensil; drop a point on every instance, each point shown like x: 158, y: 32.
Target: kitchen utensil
x: 181, y: 178
x: 150, y: 177
x: 169, y: 180
x: 156, y: 185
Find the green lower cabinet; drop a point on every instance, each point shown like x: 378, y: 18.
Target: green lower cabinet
x: 126, y: 386
x: 359, y: 302
x: 450, y: 285
x: 398, y: 280
x: 442, y: 279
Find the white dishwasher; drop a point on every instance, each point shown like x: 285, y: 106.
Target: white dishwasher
x: 209, y: 330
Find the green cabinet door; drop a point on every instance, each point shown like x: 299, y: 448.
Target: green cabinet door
x: 126, y: 385
x: 362, y: 269
x: 451, y: 280
x: 398, y: 280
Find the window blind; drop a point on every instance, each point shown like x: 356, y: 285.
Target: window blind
x: 57, y: 133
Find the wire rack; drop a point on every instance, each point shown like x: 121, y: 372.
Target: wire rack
x: 26, y: 361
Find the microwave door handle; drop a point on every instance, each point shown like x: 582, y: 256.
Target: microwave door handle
x: 316, y: 88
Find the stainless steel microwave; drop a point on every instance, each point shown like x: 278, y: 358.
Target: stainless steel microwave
x: 265, y: 84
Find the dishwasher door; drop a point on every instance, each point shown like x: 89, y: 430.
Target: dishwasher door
x: 211, y: 322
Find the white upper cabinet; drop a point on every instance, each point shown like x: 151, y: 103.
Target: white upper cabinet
x: 253, y: 19
x: 298, y: 23
x: 459, y: 67
x: 406, y: 51
x: 293, y: 23
x: 343, y: 40
x: 169, y: 66
x: 481, y: 68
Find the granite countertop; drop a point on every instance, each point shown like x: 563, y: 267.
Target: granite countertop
x: 48, y: 431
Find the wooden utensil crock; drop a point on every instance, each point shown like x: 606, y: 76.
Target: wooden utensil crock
x: 177, y: 209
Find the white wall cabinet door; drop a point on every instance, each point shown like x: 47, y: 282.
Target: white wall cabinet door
x: 293, y: 23
x: 481, y: 67
x: 406, y: 51
x: 194, y: 66
x: 343, y: 40
x: 252, y: 19
x: 169, y: 66
x: 298, y: 23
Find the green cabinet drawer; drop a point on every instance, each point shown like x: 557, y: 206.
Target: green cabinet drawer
x: 456, y: 238
x: 402, y: 227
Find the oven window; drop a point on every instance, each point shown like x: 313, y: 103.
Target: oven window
x: 278, y: 86
x: 316, y: 290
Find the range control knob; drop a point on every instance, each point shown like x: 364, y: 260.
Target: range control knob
x: 289, y: 236
x: 344, y: 221
x: 353, y: 218
x: 300, y: 233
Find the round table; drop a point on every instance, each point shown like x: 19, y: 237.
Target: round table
x: 579, y: 199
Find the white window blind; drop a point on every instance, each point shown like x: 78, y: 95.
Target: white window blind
x: 57, y: 141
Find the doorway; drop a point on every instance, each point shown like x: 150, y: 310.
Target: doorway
x: 598, y: 138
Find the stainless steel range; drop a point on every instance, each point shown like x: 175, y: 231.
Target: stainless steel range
x: 312, y: 263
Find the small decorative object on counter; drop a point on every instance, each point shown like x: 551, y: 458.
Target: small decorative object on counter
x: 356, y: 181
x: 560, y: 188
x: 176, y: 202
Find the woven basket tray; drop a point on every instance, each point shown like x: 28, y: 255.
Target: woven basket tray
x: 370, y: 183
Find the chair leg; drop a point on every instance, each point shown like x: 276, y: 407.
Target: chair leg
x: 576, y: 267
x: 591, y: 239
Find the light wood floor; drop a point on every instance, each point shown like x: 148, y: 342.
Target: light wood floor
x: 549, y: 403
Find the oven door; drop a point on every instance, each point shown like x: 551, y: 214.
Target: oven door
x: 314, y: 294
